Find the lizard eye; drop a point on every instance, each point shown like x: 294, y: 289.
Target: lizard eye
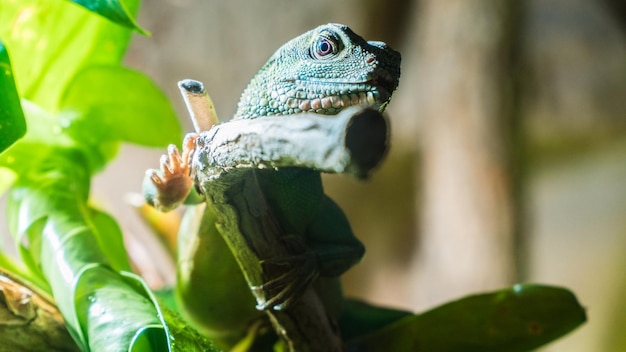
x: 324, y: 47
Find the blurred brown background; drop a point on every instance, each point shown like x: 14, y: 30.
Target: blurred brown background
x: 508, y: 160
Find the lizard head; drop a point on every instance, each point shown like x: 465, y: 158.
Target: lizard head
x: 323, y: 71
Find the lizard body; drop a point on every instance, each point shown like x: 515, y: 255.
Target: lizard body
x: 324, y: 71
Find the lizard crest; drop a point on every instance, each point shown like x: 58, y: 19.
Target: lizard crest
x: 322, y: 71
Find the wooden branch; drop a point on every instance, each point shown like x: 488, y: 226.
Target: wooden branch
x: 29, y: 321
x: 255, y: 237
x: 199, y: 104
x: 353, y: 142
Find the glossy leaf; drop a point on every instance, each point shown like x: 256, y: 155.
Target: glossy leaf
x: 46, y: 131
x: 12, y: 122
x: 79, y: 251
x: 110, y: 239
x: 10, y: 265
x: 115, y: 10
x: 516, y: 319
x: 360, y: 318
x: 103, y: 299
x: 53, y: 40
x: 65, y: 238
x: 167, y: 297
x: 74, y: 251
x: 183, y: 338
x: 118, y: 104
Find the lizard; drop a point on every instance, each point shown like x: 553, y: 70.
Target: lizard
x: 322, y: 71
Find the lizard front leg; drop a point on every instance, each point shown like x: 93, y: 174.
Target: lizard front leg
x: 168, y: 187
x: 282, y: 291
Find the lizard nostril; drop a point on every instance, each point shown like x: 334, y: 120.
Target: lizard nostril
x: 370, y: 60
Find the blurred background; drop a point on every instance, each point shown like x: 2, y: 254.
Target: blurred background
x: 508, y: 158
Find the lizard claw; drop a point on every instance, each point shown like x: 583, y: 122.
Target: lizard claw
x: 174, y: 164
x: 286, y: 288
x: 167, y: 187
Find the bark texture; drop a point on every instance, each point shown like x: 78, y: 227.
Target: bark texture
x: 274, y: 263
x: 28, y: 321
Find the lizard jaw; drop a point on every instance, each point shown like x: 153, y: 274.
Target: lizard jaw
x: 385, y: 85
x: 321, y: 97
x: 330, y: 104
x: 331, y: 97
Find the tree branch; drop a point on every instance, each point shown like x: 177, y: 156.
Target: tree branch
x: 29, y: 321
x: 353, y: 142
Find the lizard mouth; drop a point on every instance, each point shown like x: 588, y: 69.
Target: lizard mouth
x: 330, y: 97
x: 385, y: 83
x: 333, y: 103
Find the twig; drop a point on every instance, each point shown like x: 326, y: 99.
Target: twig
x: 29, y: 321
x: 199, y: 104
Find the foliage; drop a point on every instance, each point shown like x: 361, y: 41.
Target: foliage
x: 63, y: 78
x: 80, y: 103
x: 13, y: 125
x: 519, y: 318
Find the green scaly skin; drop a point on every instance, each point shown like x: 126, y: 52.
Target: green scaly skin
x: 323, y: 71
x: 297, y: 78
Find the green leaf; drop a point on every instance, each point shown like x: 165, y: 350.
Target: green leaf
x: 167, y: 297
x: 110, y: 239
x: 115, y: 11
x: 182, y: 338
x: 119, y: 104
x: 62, y: 237
x: 516, y: 319
x: 8, y: 266
x: 116, y: 314
x: 80, y: 253
x: 45, y: 131
x: 76, y: 251
x: 360, y: 318
x: 52, y: 40
x: 12, y: 122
